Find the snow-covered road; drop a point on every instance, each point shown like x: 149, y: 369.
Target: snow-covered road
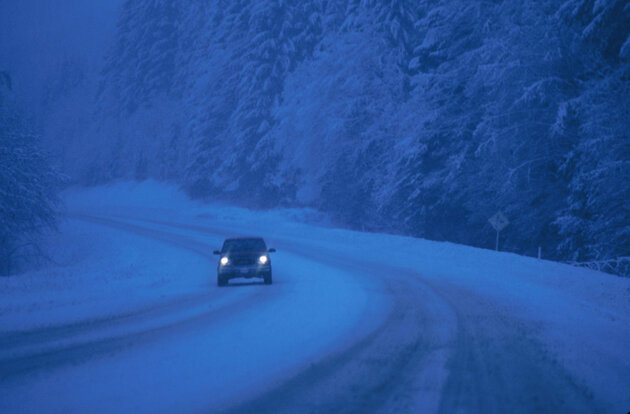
x: 203, y: 352
x: 342, y: 329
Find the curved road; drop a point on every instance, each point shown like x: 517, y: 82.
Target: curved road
x: 333, y: 334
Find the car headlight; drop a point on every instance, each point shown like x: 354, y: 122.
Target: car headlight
x: 263, y: 259
x: 224, y: 261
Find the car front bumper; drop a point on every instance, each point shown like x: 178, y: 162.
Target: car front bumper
x: 233, y: 272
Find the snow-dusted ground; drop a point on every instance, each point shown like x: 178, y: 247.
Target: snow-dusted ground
x: 131, y: 320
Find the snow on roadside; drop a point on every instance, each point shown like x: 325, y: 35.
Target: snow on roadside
x: 97, y: 272
x: 166, y: 200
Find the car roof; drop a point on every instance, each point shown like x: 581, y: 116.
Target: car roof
x: 245, y: 238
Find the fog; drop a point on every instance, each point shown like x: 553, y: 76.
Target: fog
x: 36, y: 36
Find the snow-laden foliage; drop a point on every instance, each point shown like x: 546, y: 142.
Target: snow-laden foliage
x: 421, y: 117
x: 28, y: 185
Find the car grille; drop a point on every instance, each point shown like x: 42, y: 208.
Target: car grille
x: 244, y: 261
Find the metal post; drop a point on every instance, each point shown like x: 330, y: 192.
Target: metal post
x: 539, y: 252
x: 496, y: 245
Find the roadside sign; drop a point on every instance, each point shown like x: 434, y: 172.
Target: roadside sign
x: 499, y: 221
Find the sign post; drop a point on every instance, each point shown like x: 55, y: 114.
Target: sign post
x: 498, y: 222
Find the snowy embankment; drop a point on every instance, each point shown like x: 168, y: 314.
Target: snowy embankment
x: 133, y: 297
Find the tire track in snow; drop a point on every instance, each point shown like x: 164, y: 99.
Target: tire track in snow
x: 396, y: 368
x: 498, y: 366
x: 12, y: 342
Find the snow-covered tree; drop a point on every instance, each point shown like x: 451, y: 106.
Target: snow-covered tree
x: 281, y: 34
x: 141, y: 66
x: 28, y: 184
x: 594, y: 223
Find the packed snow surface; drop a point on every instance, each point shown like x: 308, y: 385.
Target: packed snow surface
x: 128, y: 318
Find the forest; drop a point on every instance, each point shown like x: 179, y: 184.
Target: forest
x: 422, y: 118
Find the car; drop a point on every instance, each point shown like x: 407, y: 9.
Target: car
x: 246, y: 257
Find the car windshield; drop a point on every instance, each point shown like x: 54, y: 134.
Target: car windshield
x: 247, y: 245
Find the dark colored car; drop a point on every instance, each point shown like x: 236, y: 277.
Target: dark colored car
x: 246, y: 257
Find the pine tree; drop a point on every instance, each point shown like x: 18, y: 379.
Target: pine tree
x: 141, y: 66
x: 594, y: 223
x: 399, y: 22
x: 281, y: 34
x: 28, y: 185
